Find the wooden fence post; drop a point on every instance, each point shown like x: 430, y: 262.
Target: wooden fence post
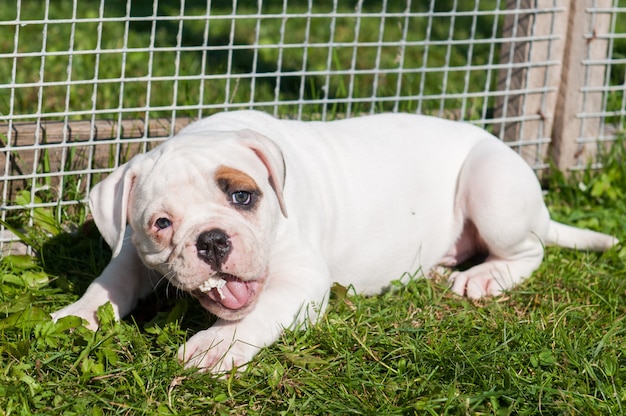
x: 584, y: 66
x: 547, y: 79
x: 531, y: 77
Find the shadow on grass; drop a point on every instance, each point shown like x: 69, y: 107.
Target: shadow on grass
x: 78, y: 258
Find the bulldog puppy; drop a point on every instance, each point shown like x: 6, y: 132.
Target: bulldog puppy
x: 257, y: 217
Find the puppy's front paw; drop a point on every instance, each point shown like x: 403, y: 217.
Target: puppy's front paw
x: 76, y: 309
x: 216, y: 350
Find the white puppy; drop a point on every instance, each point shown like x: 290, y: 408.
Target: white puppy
x: 256, y: 217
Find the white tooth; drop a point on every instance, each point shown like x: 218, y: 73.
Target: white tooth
x: 213, y: 282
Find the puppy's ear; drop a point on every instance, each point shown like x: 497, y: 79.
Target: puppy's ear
x: 108, y: 202
x: 271, y: 156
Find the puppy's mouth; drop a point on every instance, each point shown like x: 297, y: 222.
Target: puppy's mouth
x: 228, y: 291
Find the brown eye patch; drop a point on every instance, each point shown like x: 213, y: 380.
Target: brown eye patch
x: 236, y: 184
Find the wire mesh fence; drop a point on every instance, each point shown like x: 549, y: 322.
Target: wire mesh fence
x: 86, y: 85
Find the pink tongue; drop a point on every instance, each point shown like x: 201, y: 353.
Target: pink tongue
x: 235, y: 294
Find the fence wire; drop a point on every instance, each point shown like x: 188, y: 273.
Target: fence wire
x: 86, y: 85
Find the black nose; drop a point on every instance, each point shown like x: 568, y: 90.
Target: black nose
x: 214, y: 247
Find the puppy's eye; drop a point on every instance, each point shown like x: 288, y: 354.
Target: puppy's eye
x: 162, y: 223
x: 241, y: 197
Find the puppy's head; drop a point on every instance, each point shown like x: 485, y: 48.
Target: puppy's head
x: 204, y: 209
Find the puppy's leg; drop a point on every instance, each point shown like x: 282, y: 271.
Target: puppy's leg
x: 123, y: 281
x: 500, y: 195
x: 295, y: 293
